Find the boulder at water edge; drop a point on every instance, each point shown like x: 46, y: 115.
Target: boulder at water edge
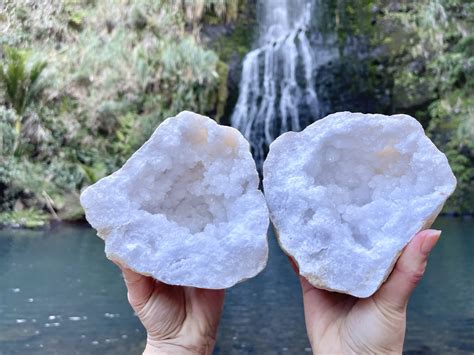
x: 185, y: 208
x: 349, y: 192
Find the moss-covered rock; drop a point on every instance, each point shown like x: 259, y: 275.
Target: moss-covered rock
x: 358, y: 86
x: 31, y: 218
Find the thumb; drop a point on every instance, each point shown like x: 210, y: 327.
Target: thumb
x: 409, y: 270
x: 139, y: 286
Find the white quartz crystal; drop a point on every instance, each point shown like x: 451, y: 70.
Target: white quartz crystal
x: 349, y: 192
x: 185, y: 208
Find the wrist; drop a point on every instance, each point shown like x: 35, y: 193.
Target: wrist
x: 165, y: 348
x: 154, y: 347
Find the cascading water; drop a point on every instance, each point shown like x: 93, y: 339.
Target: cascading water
x: 278, y: 77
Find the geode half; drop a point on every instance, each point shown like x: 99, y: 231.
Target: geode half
x: 349, y: 192
x: 185, y: 208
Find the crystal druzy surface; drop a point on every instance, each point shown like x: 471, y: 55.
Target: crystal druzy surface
x: 349, y: 192
x: 185, y: 208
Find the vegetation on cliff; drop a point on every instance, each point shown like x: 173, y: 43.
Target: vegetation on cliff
x: 434, y: 79
x: 83, y: 84
x: 420, y: 57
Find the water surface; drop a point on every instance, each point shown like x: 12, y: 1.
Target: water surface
x: 59, y: 294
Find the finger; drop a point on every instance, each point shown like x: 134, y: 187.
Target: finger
x: 408, y: 270
x: 139, y: 286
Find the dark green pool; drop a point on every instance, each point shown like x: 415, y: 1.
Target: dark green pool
x: 60, y: 295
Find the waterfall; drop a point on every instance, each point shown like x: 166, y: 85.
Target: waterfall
x: 277, y: 82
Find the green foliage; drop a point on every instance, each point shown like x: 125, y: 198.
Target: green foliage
x: 426, y: 48
x: 115, y: 71
x: 434, y: 79
x: 29, y: 181
x: 8, y: 134
x: 344, y: 18
x: 466, y: 46
x: 238, y: 43
x: 21, y: 80
x: 211, y: 11
x: 222, y: 91
x: 94, y: 173
x: 452, y: 128
x: 30, y: 218
x: 450, y: 65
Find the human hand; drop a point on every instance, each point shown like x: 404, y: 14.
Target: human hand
x: 178, y: 320
x: 340, y: 323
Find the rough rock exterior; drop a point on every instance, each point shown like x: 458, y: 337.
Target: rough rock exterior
x: 185, y: 208
x: 349, y: 192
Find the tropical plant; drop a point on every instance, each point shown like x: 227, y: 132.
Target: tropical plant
x: 22, y: 82
x: 8, y: 135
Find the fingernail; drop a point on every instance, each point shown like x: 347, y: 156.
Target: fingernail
x: 430, y: 241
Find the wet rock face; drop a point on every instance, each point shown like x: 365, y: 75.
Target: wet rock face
x: 185, y: 208
x: 359, y: 85
x: 349, y: 192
